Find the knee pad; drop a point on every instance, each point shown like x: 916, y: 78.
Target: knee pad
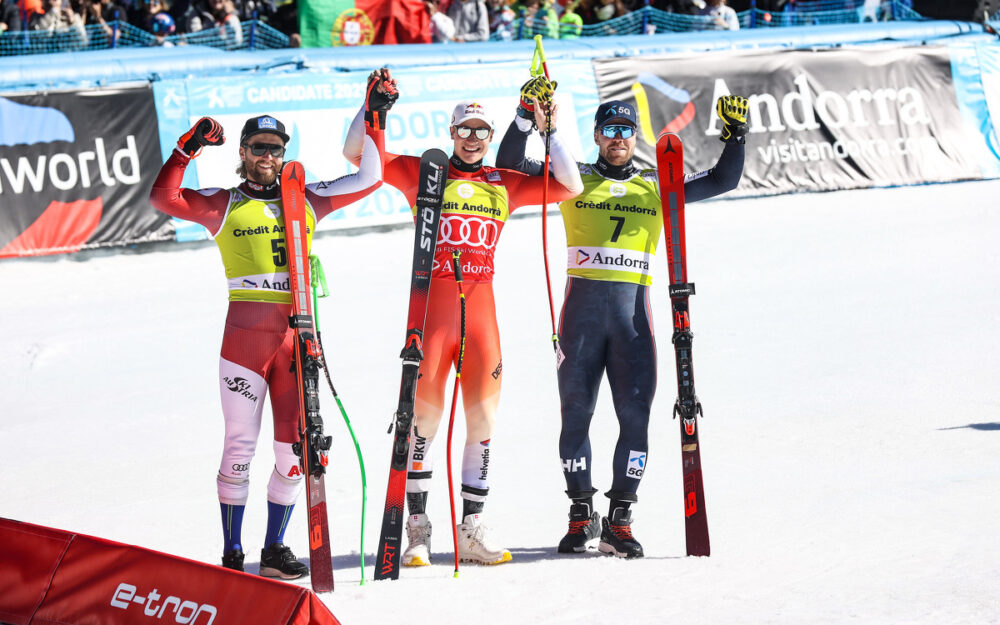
x: 232, y: 491
x: 286, y: 479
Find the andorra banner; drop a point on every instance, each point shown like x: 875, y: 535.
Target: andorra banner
x: 75, y: 171
x: 325, y: 23
x: 819, y: 120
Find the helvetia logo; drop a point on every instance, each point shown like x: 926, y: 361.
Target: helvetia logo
x: 175, y: 608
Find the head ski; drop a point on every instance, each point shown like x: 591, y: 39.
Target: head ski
x: 670, y: 166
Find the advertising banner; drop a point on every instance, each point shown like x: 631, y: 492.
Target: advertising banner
x: 317, y: 110
x: 52, y: 576
x: 819, y: 120
x: 75, y: 170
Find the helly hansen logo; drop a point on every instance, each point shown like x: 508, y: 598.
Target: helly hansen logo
x: 176, y: 609
x: 572, y: 465
x: 636, y: 464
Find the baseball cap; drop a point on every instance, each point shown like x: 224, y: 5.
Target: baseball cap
x: 470, y: 110
x: 262, y: 124
x: 615, y: 110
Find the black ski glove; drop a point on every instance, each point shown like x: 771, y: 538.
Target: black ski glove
x: 378, y: 100
x: 733, y: 111
x: 206, y: 131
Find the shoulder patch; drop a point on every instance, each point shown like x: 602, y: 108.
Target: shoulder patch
x: 649, y: 174
x: 585, y: 169
x: 493, y: 176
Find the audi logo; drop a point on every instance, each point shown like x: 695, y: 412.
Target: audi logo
x: 241, y: 467
x: 472, y: 231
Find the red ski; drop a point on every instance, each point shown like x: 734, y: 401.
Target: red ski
x: 313, y: 448
x: 670, y: 167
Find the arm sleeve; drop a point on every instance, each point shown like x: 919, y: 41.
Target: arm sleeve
x: 327, y: 197
x: 355, y: 142
x: 206, y: 206
x: 725, y: 176
x: 511, y: 152
x: 563, y: 166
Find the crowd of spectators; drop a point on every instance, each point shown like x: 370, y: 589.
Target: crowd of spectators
x: 162, y: 18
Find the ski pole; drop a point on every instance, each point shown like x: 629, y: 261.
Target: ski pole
x: 456, y: 262
x: 318, y: 282
x: 539, y: 67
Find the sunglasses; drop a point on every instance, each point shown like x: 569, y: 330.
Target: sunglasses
x: 260, y: 149
x: 613, y: 131
x: 464, y: 131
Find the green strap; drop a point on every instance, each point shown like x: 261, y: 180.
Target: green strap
x: 318, y: 283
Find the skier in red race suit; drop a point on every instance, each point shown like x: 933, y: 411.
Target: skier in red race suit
x: 477, y: 201
x: 257, y: 343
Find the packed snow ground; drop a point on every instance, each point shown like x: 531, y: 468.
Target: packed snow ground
x: 846, y: 354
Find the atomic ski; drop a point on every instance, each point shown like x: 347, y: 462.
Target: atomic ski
x: 430, y: 193
x: 313, y: 448
x: 670, y: 165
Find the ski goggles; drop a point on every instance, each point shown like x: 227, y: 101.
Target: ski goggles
x: 260, y: 149
x: 481, y: 133
x: 615, y: 130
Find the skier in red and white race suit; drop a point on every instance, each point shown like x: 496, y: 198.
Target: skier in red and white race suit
x: 257, y: 344
x: 477, y: 201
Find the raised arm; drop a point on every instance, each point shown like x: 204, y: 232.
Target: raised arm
x: 206, y: 206
x: 726, y: 174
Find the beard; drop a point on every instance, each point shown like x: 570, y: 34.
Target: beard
x: 265, y: 177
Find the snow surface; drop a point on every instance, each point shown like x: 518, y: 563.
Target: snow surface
x: 845, y: 353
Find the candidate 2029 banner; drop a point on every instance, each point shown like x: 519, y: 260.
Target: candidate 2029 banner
x: 75, y: 171
x: 819, y: 120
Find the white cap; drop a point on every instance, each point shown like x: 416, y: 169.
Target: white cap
x: 470, y: 110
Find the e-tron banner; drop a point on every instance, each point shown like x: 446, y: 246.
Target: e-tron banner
x: 819, y: 121
x: 75, y: 171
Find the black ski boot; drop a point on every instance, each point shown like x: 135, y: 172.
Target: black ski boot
x: 584, y: 526
x: 616, y: 535
x: 233, y: 559
x: 279, y: 561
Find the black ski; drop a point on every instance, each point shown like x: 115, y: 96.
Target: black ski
x: 430, y: 194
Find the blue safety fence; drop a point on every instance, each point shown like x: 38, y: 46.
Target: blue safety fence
x: 649, y: 20
x: 252, y: 35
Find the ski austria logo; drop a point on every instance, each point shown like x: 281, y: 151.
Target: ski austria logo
x: 675, y: 94
x: 240, y: 386
x: 176, y: 609
x: 636, y: 464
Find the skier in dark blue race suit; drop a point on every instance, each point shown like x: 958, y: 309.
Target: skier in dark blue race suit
x: 612, y: 230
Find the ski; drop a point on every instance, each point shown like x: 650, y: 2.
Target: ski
x: 430, y: 193
x: 670, y: 166
x: 313, y: 447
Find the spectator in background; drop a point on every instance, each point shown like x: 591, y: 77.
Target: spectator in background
x: 442, y: 27
x: 58, y: 18
x: 10, y: 16
x: 570, y: 24
x: 286, y: 20
x: 539, y: 18
x: 28, y: 9
x: 609, y: 9
x: 720, y: 16
x: 682, y: 7
x: 501, y: 20
x: 144, y: 14
x: 162, y: 27
x: 221, y: 14
x: 101, y: 13
x: 471, y: 20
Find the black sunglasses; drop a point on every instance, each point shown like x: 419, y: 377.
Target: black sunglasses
x: 260, y: 149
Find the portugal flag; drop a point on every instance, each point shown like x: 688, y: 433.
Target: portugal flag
x: 325, y: 23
